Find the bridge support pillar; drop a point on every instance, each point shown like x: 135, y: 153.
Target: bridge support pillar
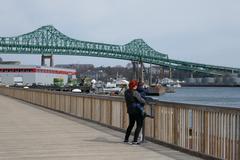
x: 44, y: 57
x: 141, y: 78
x: 191, y: 75
x: 135, y: 70
x: 150, y: 75
x: 138, y: 72
x: 161, y: 72
x: 170, y: 73
x: 134, y: 75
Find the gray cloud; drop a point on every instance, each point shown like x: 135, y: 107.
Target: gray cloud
x: 200, y: 31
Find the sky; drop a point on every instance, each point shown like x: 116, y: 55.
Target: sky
x: 202, y: 31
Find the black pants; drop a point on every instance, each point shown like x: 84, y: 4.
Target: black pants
x: 135, y: 117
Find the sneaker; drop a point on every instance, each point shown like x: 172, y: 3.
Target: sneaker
x: 136, y: 143
x: 140, y: 137
x: 126, y: 142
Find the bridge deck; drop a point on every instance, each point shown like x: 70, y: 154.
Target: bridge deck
x: 31, y: 132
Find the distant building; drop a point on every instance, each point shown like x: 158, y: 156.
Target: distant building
x: 75, y: 66
x: 10, y: 63
x: 29, y: 74
x: 80, y: 68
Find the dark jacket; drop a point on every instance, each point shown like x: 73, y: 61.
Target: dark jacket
x: 143, y: 94
x: 133, y: 100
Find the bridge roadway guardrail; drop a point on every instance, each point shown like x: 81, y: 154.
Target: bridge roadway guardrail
x: 205, y: 131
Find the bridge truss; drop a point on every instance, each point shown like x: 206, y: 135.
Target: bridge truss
x: 48, y: 40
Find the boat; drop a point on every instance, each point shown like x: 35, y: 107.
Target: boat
x: 156, y: 90
x: 116, y: 86
x: 178, y: 85
x: 110, y: 90
x: 170, y: 83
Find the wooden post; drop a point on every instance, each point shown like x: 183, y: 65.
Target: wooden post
x: 175, y: 126
x: 205, y: 137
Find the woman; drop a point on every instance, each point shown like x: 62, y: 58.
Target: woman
x: 133, y: 100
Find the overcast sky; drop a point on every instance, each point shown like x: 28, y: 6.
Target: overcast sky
x: 203, y: 31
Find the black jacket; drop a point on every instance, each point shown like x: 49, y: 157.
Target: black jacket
x: 133, y: 99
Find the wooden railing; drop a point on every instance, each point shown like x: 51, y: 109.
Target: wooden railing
x: 207, y: 130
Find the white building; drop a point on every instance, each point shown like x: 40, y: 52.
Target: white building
x: 27, y: 74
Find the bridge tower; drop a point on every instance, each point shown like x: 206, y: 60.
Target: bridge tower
x: 134, y: 75
x: 161, y: 72
x: 138, y: 70
x: 44, y: 57
x: 135, y: 70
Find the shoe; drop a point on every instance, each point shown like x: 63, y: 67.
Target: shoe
x: 126, y: 142
x: 136, y: 143
x: 140, y: 138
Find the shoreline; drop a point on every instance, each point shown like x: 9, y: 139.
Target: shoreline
x: 208, y: 85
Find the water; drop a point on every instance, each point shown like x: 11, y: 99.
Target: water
x: 214, y: 96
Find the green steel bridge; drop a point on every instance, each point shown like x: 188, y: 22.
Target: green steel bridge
x: 48, y: 40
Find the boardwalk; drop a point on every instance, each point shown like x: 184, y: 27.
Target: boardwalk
x: 29, y: 132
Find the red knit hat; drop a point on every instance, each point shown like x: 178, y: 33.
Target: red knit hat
x: 132, y: 84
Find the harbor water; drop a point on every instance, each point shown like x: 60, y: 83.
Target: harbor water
x: 213, y: 96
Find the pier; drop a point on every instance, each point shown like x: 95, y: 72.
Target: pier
x: 74, y: 126
x: 31, y: 132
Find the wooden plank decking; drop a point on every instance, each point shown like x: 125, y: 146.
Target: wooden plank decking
x: 29, y: 132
